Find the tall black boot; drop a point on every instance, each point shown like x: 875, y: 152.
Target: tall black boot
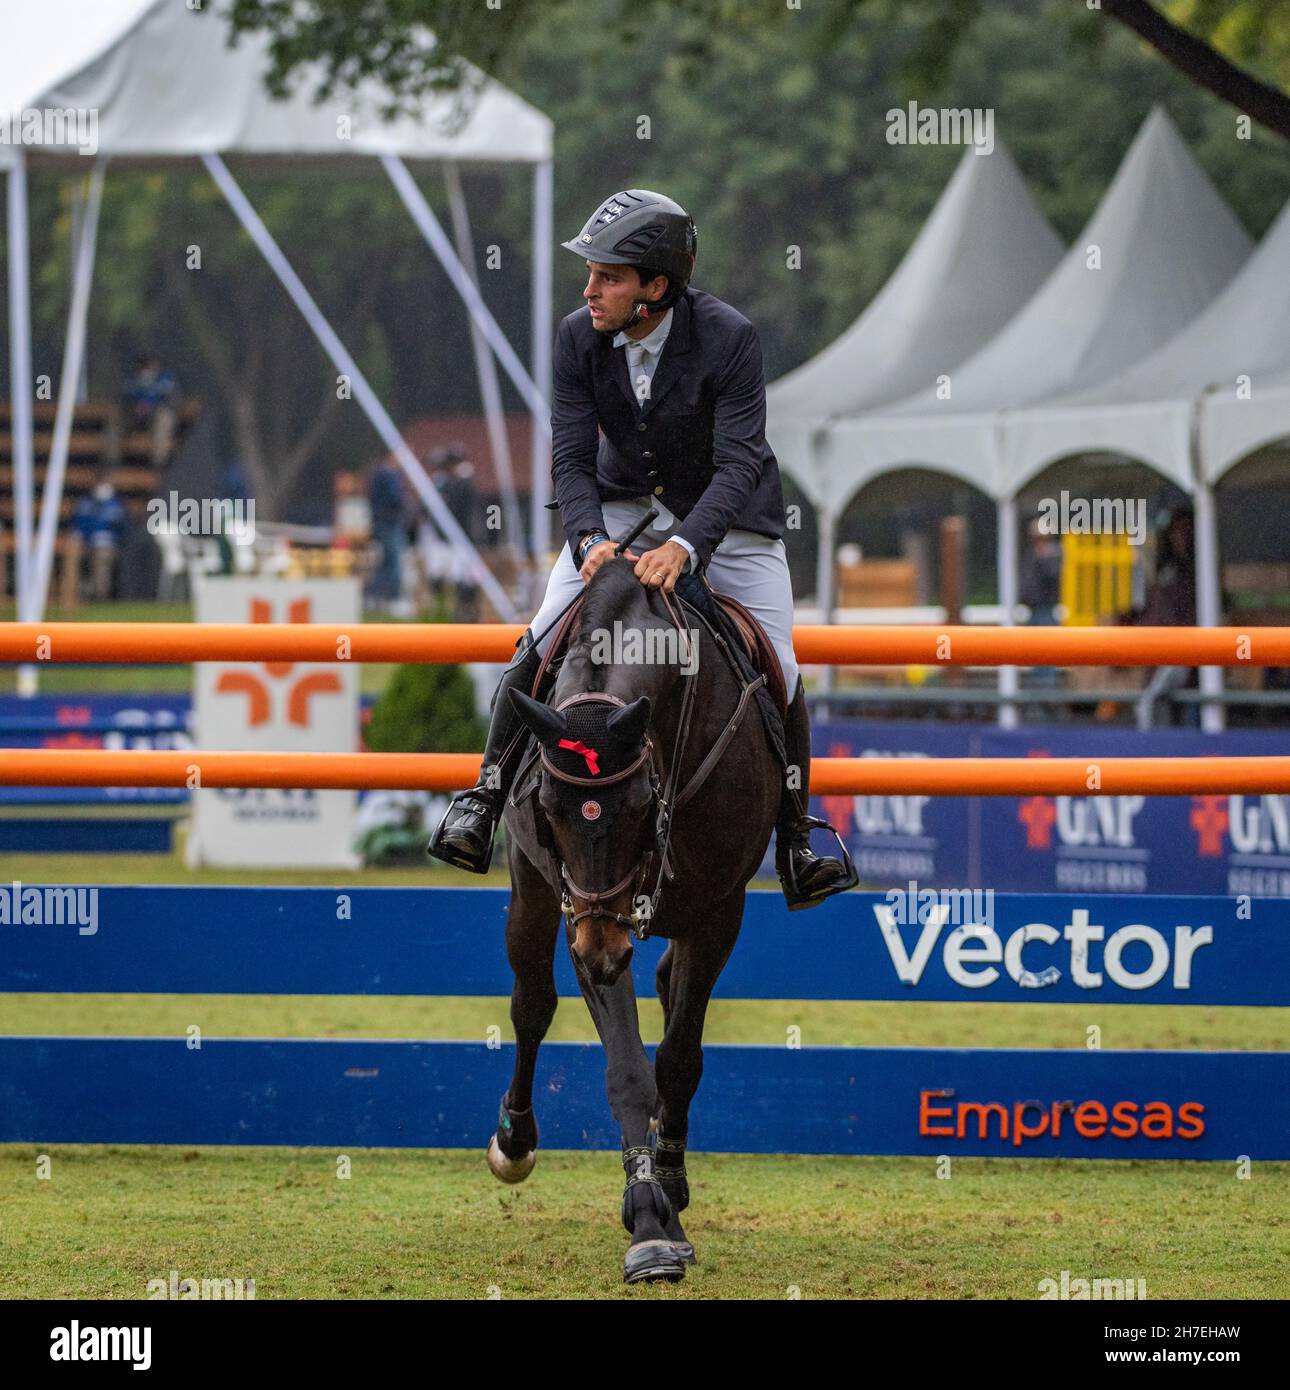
x: 464, y: 838
x: 807, y: 878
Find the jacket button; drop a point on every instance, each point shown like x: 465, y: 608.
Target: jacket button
x: 658, y: 491
x: 642, y: 426
x: 649, y: 454
x: 653, y: 473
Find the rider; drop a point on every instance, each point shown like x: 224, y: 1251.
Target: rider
x: 684, y: 433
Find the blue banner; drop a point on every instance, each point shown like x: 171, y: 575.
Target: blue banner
x: 959, y: 947
x: 814, y: 1100
x: 1232, y: 845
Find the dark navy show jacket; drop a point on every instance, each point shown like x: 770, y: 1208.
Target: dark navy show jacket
x: 699, y: 442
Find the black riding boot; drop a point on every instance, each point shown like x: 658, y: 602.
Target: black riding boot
x: 465, y: 835
x: 807, y: 878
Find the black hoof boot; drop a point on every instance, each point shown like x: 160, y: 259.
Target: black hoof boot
x: 669, y: 1155
x: 646, y: 1213
x: 651, y: 1261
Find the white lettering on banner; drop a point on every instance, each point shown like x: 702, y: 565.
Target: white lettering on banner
x: 972, y: 951
x: 1098, y: 820
x: 1261, y: 828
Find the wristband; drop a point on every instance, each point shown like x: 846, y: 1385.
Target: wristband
x: 592, y: 538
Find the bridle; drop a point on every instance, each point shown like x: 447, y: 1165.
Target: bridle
x: 638, y: 874
x: 665, y: 798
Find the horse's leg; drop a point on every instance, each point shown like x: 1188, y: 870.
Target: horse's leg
x: 700, y: 954
x: 532, y: 925
x: 632, y: 1097
x: 662, y: 982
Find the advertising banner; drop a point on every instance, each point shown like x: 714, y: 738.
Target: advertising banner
x: 275, y: 707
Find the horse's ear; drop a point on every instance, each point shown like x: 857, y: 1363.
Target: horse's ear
x: 549, y: 725
x: 630, y: 722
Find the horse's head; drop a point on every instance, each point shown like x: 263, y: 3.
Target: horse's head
x: 599, y: 788
x: 597, y: 795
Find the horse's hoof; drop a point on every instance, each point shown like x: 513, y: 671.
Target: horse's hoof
x: 511, y: 1170
x: 685, y: 1251
x: 651, y: 1260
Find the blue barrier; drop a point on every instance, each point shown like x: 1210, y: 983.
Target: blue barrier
x: 1162, y: 950
x: 87, y: 835
x: 840, y: 1100
x: 1068, y: 1103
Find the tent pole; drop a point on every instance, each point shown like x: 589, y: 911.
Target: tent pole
x: 543, y: 333
x: 428, y: 225
x: 486, y: 368
x: 826, y: 578
x: 20, y: 397
x: 83, y: 251
x: 363, y: 392
x: 1213, y: 714
x: 1006, y: 563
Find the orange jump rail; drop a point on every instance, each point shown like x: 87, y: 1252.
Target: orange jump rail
x: 815, y: 645
x: 193, y: 768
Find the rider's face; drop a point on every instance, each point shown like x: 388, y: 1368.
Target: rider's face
x: 611, y: 291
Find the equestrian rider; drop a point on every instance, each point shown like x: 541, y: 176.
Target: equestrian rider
x: 659, y: 401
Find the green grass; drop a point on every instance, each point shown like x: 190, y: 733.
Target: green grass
x: 433, y: 1223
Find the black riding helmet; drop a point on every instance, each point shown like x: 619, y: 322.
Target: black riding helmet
x: 647, y: 230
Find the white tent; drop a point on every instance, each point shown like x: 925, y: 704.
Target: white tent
x: 154, y: 80
x: 1161, y: 245
x: 983, y: 251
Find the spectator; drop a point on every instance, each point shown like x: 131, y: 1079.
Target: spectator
x: 1040, y: 591
x: 139, y: 563
x: 149, y: 403
x: 389, y: 513
x: 100, y: 519
x: 462, y: 498
x: 1171, y: 601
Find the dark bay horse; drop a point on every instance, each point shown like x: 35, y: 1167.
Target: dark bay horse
x: 587, y: 851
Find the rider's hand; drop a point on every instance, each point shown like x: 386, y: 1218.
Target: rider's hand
x: 661, y: 568
x: 597, y: 556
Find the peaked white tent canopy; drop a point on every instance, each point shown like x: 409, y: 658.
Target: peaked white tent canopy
x: 1161, y: 245
x: 983, y: 251
x: 152, y: 79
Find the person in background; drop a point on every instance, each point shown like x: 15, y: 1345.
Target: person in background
x: 149, y: 403
x: 389, y: 530
x: 1170, y: 602
x: 1040, y: 590
x: 100, y: 519
x: 462, y: 499
x: 139, y: 557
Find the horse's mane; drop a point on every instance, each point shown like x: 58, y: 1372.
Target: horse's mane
x: 614, y: 595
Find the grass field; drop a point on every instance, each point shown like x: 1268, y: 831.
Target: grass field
x: 432, y: 1223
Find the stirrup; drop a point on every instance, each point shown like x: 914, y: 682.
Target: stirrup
x: 461, y: 859
x: 796, y: 899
